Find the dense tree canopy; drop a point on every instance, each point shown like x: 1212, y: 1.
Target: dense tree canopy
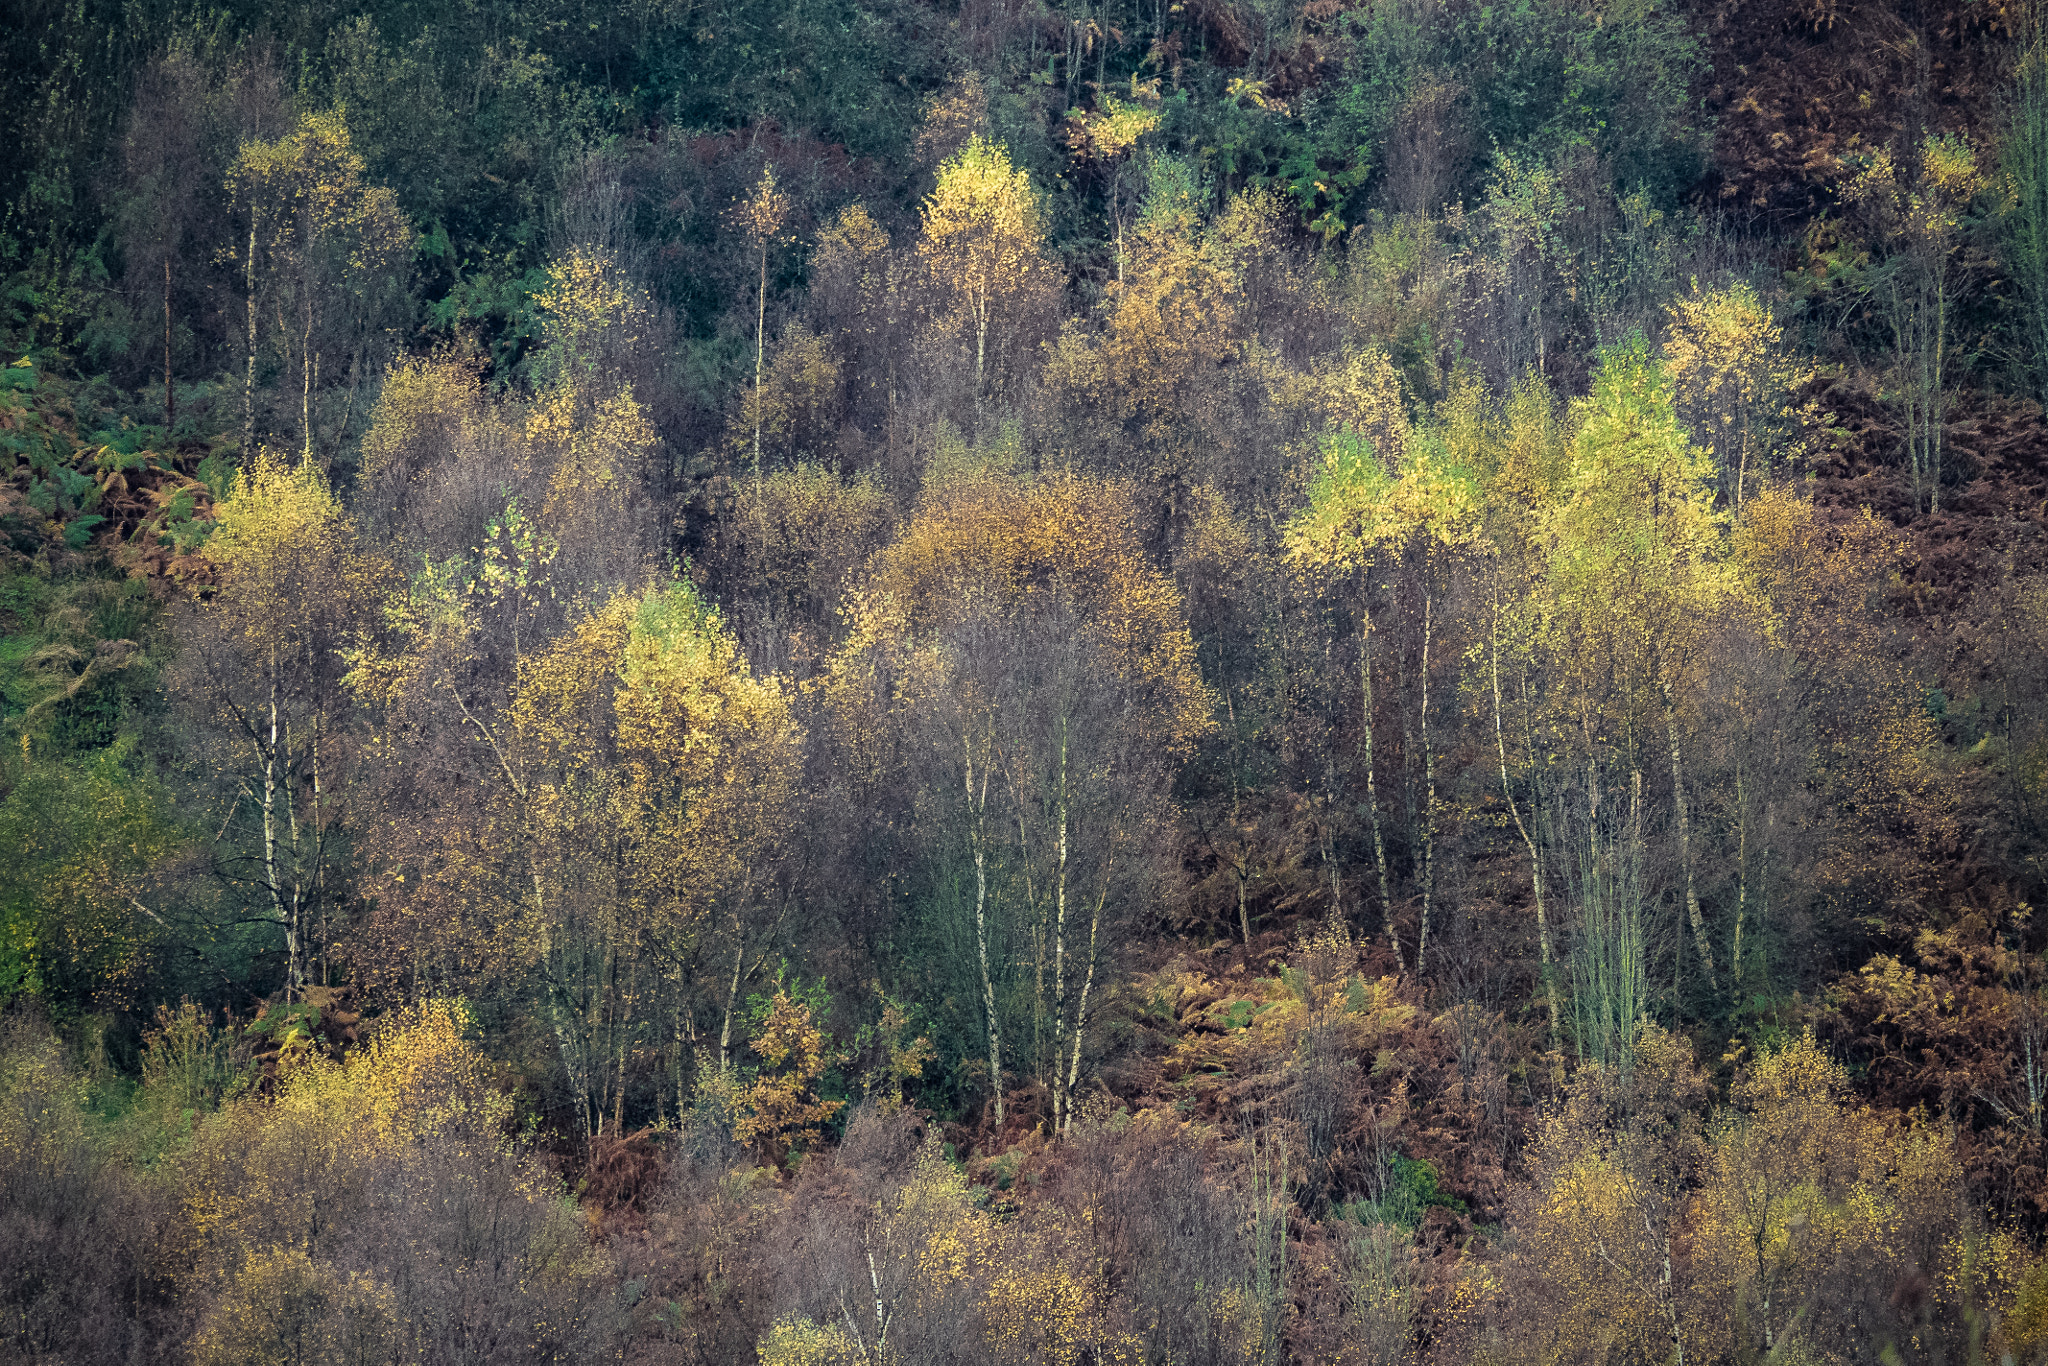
x: 1059, y: 681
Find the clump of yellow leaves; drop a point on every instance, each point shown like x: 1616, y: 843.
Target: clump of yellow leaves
x: 397, y: 1147
x: 781, y: 1107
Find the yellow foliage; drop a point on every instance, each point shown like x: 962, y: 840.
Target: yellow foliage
x: 797, y: 402
x: 1802, y: 1180
x: 797, y: 1341
x: 1040, y: 1312
x: 1117, y: 128
x: 804, y: 528
x: 781, y: 1106
x: 2026, y: 1326
x: 426, y: 406
x: 645, y: 723
x: 984, y: 237
x: 1173, y: 322
x: 281, y: 521
x: 586, y: 427
x: 597, y: 440
x: 591, y: 309
x: 283, y: 1308
x: 268, y: 1171
x: 998, y: 542
x: 1379, y: 489
x: 854, y: 237
x: 307, y: 191
x: 982, y: 223
x: 1733, y: 378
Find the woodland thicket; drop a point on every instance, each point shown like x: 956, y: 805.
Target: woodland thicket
x: 896, y: 681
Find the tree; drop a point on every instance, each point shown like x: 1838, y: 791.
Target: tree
x: 983, y: 240
x: 1601, y: 1222
x: 2026, y: 161
x: 762, y: 216
x: 295, y: 586
x: 1044, y: 682
x: 1371, y: 509
x: 1636, y: 561
x: 1732, y: 380
x: 649, y: 777
x: 1527, y: 208
x: 375, y: 1205
x: 324, y: 249
x: 590, y: 436
x: 1921, y: 211
x: 1810, y: 1200
x: 1109, y: 138
x: 165, y: 166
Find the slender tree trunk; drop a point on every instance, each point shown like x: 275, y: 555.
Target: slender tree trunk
x: 977, y: 814
x: 1059, y: 951
x: 1692, y: 898
x: 307, y: 363
x: 625, y: 1036
x: 1244, y: 915
x: 348, y: 408
x: 980, y: 345
x: 1327, y: 831
x: 249, y: 370
x: 1372, y: 798
x: 272, y: 875
x: 1428, y: 796
x: 297, y: 932
x: 170, y: 397
x: 1528, y: 840
x: 1081, y: 1014
x: 565, y: 1041
x: 760, y: 351
x: 1937, y: 423
x: 320, y: 851
x: 732, y: 997
x: 1741, y: 886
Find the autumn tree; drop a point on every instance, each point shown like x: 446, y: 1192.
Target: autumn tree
x: 2025, y: 157
x: 1637, y: 569
x: 295, y: 586
x: 378, y: 1201
x: 592, y: 444
x: 1384, y: 497
x: 1603, y: 1219
x: 1108, y: 138
x: 761, y: 217
x: 983, y: 242
x: 1048, y: 680
x: 1732, y: 378
x: 648, y: 775
x: 1802, y: 1181
x: 323, y: 253
x: 1918, y: 204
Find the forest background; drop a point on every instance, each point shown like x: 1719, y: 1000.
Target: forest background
x: 881, y: 680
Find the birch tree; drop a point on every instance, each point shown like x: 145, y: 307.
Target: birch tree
x: 984, y: 242
x: 1637, y: 567
x: 294, y: 585
x: 1918, y: 205
x: 1406, y: 510
x: 1049, y: 688
x: 323, y: 249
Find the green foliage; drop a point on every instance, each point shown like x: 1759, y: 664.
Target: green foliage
x: 75, y: 834
x: 1413, y: 1187
x: 1346, y: 350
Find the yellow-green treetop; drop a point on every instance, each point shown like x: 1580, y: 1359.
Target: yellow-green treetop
x: 984, y: 235
x: 310, y: 184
